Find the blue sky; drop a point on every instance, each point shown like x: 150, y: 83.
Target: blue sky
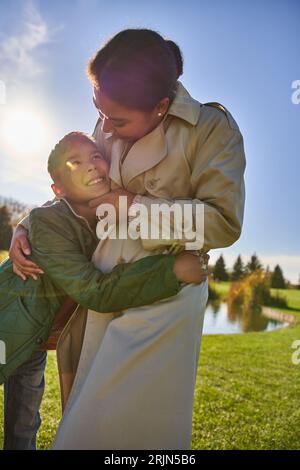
x: 243, y: 54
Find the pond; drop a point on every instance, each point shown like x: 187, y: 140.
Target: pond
x: 219, y: 320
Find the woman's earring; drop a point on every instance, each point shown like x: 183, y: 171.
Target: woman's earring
x: 159, y: 114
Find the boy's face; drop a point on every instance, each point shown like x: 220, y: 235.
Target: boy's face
x: 83, y: 175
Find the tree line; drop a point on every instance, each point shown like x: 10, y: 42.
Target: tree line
x: 5, y: 228
x: 11, y: 212
x: 241, y: 270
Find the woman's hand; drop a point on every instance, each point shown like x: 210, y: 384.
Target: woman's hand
x: 191, y: 268
x: 19, y: 248
x: 113, y: 198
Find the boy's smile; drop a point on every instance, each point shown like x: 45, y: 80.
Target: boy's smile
x: 96, y: 181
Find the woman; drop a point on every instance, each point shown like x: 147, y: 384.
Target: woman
x: 135, y: 383
x: 138, y: 392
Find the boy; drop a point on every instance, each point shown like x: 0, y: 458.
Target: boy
x: 63, y: 239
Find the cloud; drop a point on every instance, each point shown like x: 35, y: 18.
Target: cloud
x: 17, y: 51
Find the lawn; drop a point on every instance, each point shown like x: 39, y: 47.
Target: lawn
x: 222, y: 288
x: 247, y: 391
x: 292, y: 296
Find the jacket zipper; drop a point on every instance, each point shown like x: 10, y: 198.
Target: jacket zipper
x: 80, y: 217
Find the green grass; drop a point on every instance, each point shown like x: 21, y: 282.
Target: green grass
x: 292, y: 296
x: 222, y: 288
x: 247, y: 391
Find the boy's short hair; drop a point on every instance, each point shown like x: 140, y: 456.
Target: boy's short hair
x: 54, y: 159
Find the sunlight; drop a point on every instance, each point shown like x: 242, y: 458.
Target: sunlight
x: 23, y: 131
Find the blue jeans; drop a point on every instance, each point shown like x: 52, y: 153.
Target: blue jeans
x: 23, y: 393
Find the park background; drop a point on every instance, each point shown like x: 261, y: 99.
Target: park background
x: 245, y: 56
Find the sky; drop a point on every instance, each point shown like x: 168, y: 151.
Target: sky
x: 244, y: 55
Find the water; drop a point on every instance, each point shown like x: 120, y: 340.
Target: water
x: 218, y: 320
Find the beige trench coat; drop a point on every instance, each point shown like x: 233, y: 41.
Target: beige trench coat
x: 196, y: 155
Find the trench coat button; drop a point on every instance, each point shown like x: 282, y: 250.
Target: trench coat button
x: 151, y: 184
x: 39, y: 340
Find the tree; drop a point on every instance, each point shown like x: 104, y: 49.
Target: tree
x: 277, y: 279
x: 220, y: 273
x: 5, y: 229
x: 268, y: 274
x: 238, y: 269
x: 254, y: 264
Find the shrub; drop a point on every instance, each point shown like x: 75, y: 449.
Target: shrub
x: 213, y: 294
x: 253, y: 291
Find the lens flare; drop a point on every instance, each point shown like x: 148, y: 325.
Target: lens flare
x: 22, y: 132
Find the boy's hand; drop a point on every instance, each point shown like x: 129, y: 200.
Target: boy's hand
x: 113, y: 198
x: 19, y: 248
x: 190, y: 268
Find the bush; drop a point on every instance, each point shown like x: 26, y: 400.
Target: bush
x: 254, y: 291
x: 213, y: 294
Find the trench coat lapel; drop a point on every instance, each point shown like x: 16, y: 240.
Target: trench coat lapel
x: 152, y: 148
x: 184, y: 106
x: 117, y: 149
x: 143, y: 155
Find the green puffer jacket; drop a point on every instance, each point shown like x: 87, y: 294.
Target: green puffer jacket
x: 62, y: 245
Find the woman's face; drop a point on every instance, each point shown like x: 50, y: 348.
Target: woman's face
x: 126, y: 123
